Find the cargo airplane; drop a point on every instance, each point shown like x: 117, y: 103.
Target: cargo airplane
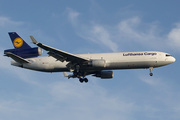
x: 81, y: 65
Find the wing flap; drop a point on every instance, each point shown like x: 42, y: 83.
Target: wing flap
x: 57, y: 56
x: 16, y: 58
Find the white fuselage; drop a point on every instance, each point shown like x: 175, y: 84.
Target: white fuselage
x: 122, y: 60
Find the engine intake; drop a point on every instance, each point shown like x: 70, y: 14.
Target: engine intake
x: 104, y: 74
x: 26, y: 53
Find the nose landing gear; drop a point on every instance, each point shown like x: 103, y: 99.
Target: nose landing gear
x: 151, y: 69
x: 151, y: 74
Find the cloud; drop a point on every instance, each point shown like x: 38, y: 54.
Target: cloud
x: 89, y: 99
x: 127, y: 27
x: 101, y: 34
x: 150, y: 81
x: 5, y: 21
x: 131, y: 31
x: 127, y: 30
x: 94, y: 32
x: 73, y: 16
x: 174, y: 37
x: 10, y: 106
x: 160, y: 98
x: 67, y: 100
x: 137, y: 33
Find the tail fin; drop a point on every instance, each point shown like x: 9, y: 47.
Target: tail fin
x: 17, y: 41
x: 22, y: 49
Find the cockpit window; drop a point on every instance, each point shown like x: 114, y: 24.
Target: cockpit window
x: 167, y: 55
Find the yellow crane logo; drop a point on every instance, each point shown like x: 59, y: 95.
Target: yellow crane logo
x: 18, y: 42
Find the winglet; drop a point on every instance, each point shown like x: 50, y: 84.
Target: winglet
x: 33, y: 40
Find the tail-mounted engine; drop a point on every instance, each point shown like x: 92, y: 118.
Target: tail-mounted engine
x: 26, y: 53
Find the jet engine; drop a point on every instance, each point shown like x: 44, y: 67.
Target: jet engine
x: 104, y: 74
x: 97, y: 63
x: 26, y: 53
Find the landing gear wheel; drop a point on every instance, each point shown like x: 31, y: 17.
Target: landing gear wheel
x: 151, y: 69
x: 81, y: 80
x: 151, y: 74
x: 85, y: 80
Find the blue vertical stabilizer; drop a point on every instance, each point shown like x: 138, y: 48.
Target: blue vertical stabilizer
x: 17, y: 41
x: 22, y: 49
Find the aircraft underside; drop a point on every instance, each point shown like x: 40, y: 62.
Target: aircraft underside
x: 81, y: 72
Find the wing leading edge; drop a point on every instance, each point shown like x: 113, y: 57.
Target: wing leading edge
x: 59, y: 54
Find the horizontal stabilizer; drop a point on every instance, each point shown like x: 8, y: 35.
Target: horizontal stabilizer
x: 16, y: 58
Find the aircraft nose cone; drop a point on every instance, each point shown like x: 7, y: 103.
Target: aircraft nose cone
x: 173, y: 59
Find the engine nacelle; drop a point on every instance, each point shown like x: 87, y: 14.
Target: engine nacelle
x: 104, y: 74
x: 97, y: 63
x: 26, y: 53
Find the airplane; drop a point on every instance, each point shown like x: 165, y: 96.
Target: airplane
x: 97, y: 64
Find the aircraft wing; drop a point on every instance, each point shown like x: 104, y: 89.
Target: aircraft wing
x: 16, y: 58
x: 59, y: 54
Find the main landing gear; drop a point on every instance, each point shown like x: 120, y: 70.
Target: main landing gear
x: 151, y: 69
x: 77, y: 73
x: 81, y: 76
x: 83, y: 80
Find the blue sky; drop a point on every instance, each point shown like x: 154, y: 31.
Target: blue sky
x: 91, y: 26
